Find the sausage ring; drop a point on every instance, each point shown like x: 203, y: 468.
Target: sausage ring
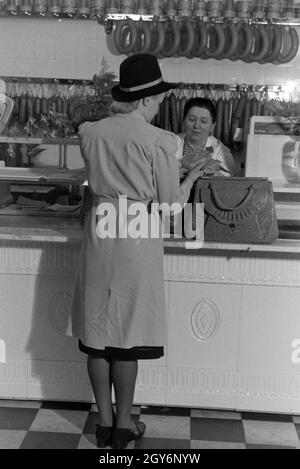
x: 275, y: 44
x: 171, y: 28
x: 119, y: 40
x: 111, y: 43
x: 157, y: 38
x: 245, y: 40
x: 217, y: 31
x: 200, y: 38
x: 261, y: 44
x: 229, y: 52
x: 188, y: 47
x: 283, y: 59
x: 144, y: 38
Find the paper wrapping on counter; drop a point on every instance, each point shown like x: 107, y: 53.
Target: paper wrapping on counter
x: 64, y: 208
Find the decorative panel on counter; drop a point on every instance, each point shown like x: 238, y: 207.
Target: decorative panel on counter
x: 233, y: 318
x: 269, y: 324
x: 247, y: 303
x: 203, y: 343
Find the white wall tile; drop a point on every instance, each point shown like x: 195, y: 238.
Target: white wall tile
x: 64, y: 68
x: 45, y: 48
x: 24, y: 47
x: 65, y: 50
x: 85, y: 69
x: 78, y: 47
x: 192, y: 70
x: 25, y: 68
x: 170, y: 69
x: 88, y: 29
x: 88, y: 49
x: 25, y: 27
x: 14, y: 26
x: 232, y: 71
x: 6, y: 27
x: 45, y: 68
x: 6, y: 46
x: 45, y: 28
x: 6, y: 66
x: 65, y: 30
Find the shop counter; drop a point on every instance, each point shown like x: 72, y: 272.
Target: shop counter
x: 233, y: 322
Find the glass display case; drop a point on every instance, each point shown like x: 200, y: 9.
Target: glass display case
x: 41, y: 178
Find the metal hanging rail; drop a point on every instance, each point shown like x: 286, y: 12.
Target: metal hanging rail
x: 182, y: 85
x: 46, y: 81
x: 217, y: 19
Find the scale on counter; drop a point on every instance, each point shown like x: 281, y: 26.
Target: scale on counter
x: 273, y: 151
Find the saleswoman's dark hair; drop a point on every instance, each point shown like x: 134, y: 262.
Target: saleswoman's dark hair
x: 201, y: 102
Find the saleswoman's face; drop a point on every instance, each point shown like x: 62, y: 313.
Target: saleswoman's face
x: 198, y: 123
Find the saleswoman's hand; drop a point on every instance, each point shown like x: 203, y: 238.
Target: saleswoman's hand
x: 211, y: 167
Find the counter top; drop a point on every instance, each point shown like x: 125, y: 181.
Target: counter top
x: 46, y: 229
x: 50, y: 229
x: 281, y: 245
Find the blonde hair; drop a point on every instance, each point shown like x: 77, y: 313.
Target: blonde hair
x: 118, y: 107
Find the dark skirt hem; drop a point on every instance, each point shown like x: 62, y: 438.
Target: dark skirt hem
x: 114, y: 353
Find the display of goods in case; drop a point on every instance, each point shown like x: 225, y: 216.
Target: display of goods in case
x: 55, y: 108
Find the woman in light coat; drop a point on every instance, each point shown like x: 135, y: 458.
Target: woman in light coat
x: 119, y: 306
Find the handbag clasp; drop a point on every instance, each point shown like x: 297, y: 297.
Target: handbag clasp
x: 232, y: 227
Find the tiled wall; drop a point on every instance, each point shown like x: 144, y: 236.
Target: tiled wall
x: 74, y: 49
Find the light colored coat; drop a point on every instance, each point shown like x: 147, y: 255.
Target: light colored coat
x: 119, y: 293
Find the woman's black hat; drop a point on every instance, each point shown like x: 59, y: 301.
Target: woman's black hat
x: 140, y: 76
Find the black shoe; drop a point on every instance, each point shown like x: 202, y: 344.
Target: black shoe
x: 104, y: 436
x: 123, y: 436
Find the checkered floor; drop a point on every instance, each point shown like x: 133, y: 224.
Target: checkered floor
x: 60, y: 425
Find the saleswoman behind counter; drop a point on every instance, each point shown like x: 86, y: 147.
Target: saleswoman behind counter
x: 198, y: 143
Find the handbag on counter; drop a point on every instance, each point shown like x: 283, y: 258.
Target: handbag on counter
x: 237, y: 209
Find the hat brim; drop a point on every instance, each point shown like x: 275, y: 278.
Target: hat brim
x: 129, y: 96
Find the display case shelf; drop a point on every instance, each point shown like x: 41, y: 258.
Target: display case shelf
x: 39, y: 141
x: 42, y: 175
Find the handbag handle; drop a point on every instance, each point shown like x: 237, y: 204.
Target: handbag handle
x: 226, y: 207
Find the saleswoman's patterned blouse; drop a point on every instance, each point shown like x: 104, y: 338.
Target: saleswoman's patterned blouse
x: 189, y: 156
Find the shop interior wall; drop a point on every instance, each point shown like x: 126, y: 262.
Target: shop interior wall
x: 74, y: 49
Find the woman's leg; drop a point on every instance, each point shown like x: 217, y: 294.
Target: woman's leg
x: 123, y: 375
x: 99, y: 374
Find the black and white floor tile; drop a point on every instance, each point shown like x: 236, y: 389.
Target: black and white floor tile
x: 69, y: 425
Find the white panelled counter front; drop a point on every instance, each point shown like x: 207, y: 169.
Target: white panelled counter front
x: 233, y: 322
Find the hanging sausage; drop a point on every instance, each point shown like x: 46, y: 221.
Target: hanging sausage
x: 245, y: 42
x: 143, y: 37
x: 231, y: 40
x: 294, y: 44
x: 260, y: 45
x: 187, y: 38
x: 126, y: 44
x: 157, y: 37
x: 200, y: 38
x: 216, y: 41
x: 172, y: 38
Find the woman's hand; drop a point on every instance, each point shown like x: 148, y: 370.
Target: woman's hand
x: 211, y: 166
x: 195, y: 173
x: 183, y: 172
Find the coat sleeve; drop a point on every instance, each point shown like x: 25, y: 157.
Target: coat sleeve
x: 166, y: 172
